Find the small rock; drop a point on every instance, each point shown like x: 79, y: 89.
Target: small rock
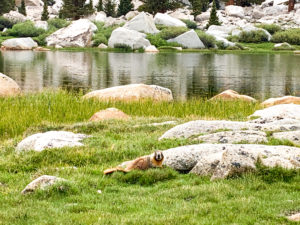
x: 236, y: 11
x: 51, y: 139
x: 132, y: 92
x: 131, y: 14
x: 41, y: 24
x: 41, y: 183
x: 294, y: 217
x: 99, y: 192
x: 41, y: 49
x: 102, y: 46
x: 8, y: 87
x: 151, y: 49
x: 163, y: 123
x: 232, y: 95
x: 281, y: 100
x: 109, y: 114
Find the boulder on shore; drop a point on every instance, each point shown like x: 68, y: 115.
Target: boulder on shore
x: 8, y: 87
x: 235, y: 11
x: 281, y: 100
x: 130, y: 38
x: 232, y: 95
x: 189, y: 39
x: 78, y: 34
x: 51, y: 139
x: 142, y: 23
x: 19, y: 44
x: 109, y: 114
x: 132, y: 92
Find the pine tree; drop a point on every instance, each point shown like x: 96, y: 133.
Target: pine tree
x: 89, y: 9
x: 6, y: 6
x: 109, y: 8
x: 45, y: 14
x: 100, y: 6
x: 213, y: 19
x: 197, y: 7
x: 125, y: 6
x: 22, y: 8
x: 75, y: 9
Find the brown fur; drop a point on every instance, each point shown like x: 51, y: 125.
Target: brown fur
x: 142, y: 163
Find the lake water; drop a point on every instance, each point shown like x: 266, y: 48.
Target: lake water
x: 186, y: 74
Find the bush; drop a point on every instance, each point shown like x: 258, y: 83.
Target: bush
x: 208, y: 40
x: 58, y: 23
x: 157, y: 41
x: 123, y: 47
x: 221, y: 45
x: 172, y: 32
x: 98, y: 39
x: 271, y: 28
x: 253, y: 36
x: 190, y: 24
x: 5, y: 23
x: 26, y: 29
x: 291, y: 36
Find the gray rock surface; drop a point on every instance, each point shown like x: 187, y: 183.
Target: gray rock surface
x: 189, y: 39
x: 51, y: 139
x: 15, y: 17
x: 167, y: 20
x: 41, y: 183
x: 142, y: 23
x: 132, y: 92
x: 131, y: 38
x: 247, y: 136
x: 78, y: 34
x: 223, y: 160
x: 293, y: 136
x: 19, y: 44
x: 236, y: 11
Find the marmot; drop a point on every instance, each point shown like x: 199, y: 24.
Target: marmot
x: 141, y: 163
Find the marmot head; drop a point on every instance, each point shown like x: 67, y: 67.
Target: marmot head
x: 158, y: 156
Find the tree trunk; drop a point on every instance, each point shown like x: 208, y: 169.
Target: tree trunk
x: 291, y: 5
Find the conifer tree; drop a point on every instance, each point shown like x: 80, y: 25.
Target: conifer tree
x: 109, y: 8
x: 125, y: 6
x: 22, y: 8
x: 197, y: 7
x: 6, y: 6
x: 75, y: 9
x: 213, y: 19
x: 45, y: 14
x: 100, y: 6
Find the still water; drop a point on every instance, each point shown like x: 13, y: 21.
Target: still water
x: 186, y: 74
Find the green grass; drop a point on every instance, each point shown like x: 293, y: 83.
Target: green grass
x: 156, y: 196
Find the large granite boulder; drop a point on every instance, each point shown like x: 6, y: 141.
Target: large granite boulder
x: 132, y: 92
x: 78, y: 34
x: 125, y: 37
x: 109, y: 114
x: 8, y: 87
x: 281, y: 100
x: 143, y: 23
x: 249, y: 28
x: 100, y: 17
x: 189, y: 39
x: 41, y: 183
x: 220, y: 33
x: 232, y: 95
x: 51, y: 139
x: 235, y: 11
x: 224, y: 160
x: 34, y: 13
x: 169, y: 21
x: 19, y: 44
x: 41, y: 24
x: 275, y: 10
x: 15, y: 17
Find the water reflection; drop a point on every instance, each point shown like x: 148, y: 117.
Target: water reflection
x: 186, y: 74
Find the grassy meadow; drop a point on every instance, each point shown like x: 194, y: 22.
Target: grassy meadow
x: 156, y: 196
